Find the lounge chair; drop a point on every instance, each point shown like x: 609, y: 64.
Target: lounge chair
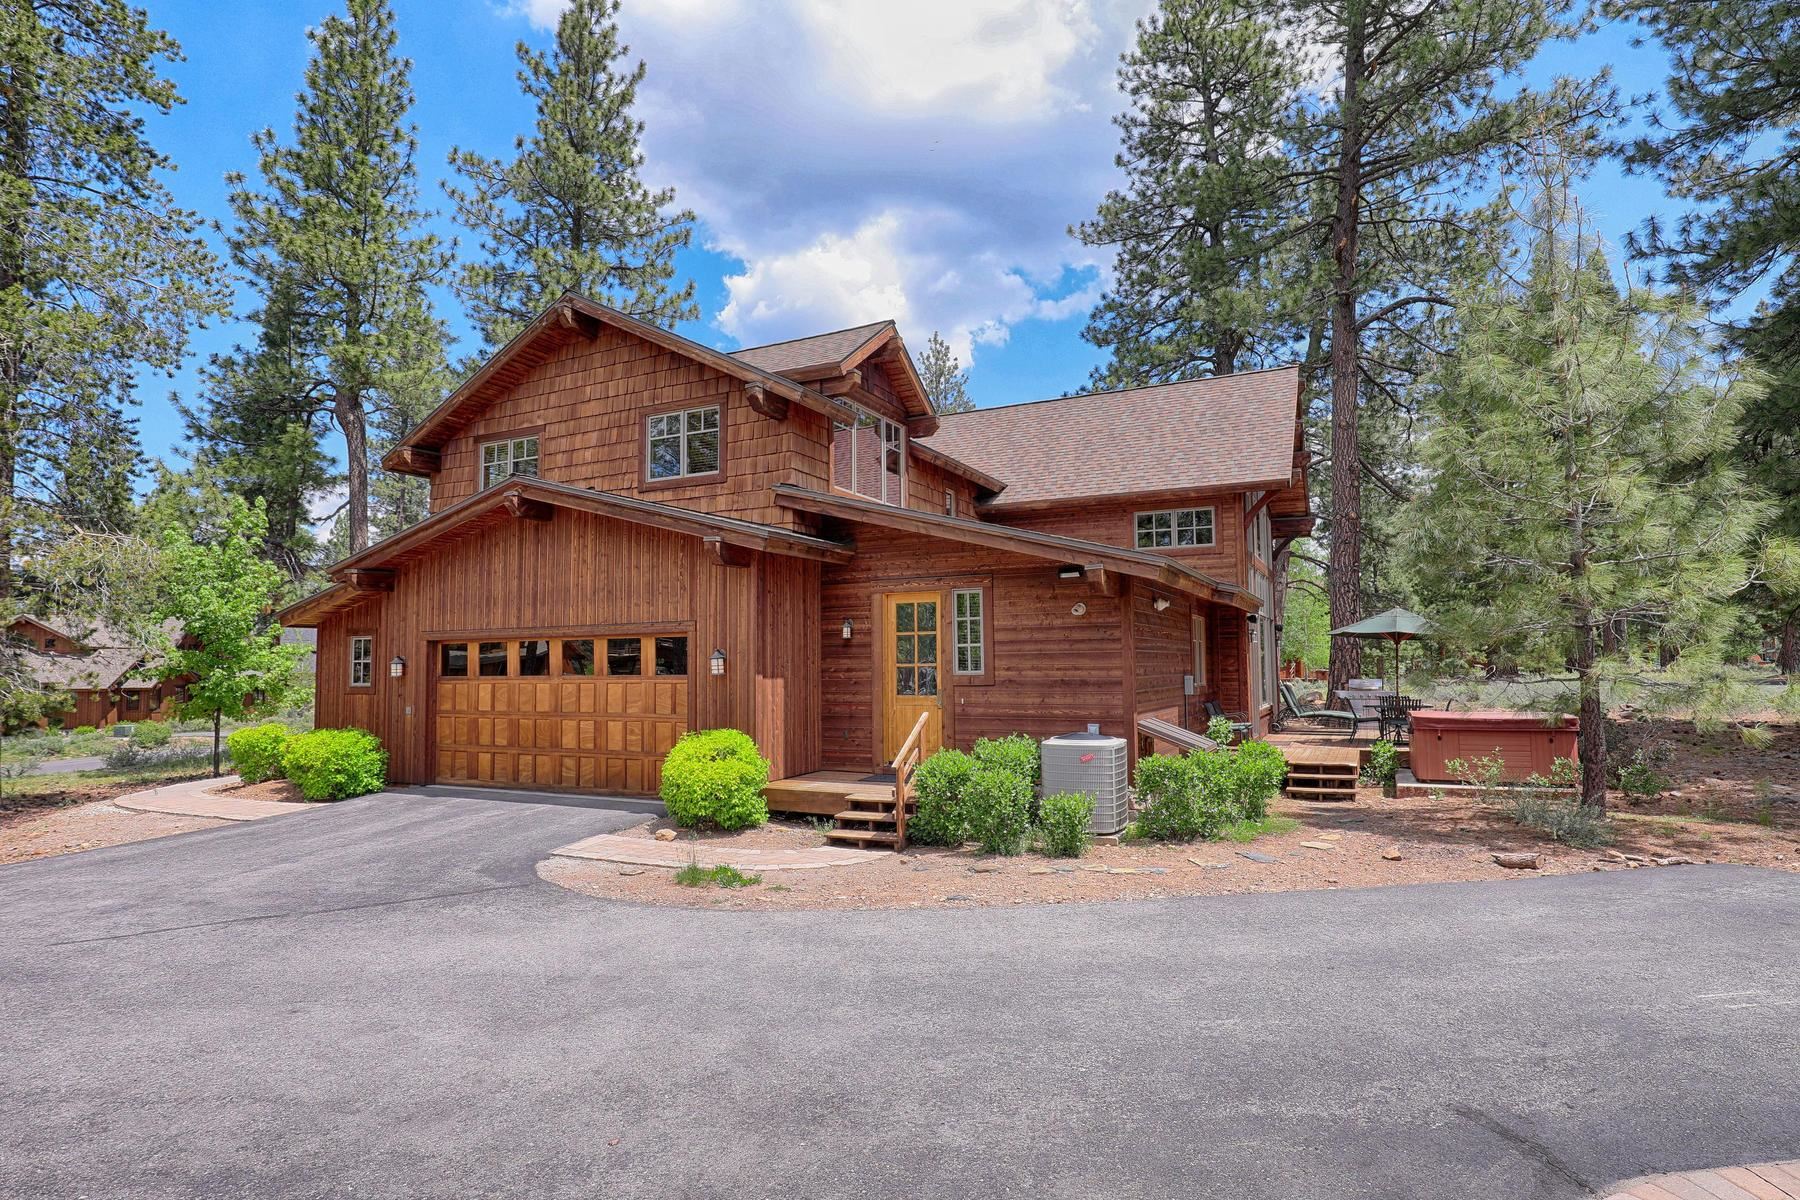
x: 1302, y: 712
x: 1239, y: 729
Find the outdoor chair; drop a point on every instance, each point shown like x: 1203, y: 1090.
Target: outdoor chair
x: 1395, y: 713
x: 1290, y: 698
x: 1239, y: 729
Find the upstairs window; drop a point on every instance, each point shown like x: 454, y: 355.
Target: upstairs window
x: 683, y: 443
x: 868, y: 458
x: 500, y: 461
x: 1180, y: 527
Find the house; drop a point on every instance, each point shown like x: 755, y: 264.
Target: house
x: 632, y: 535
x: 109, y: 672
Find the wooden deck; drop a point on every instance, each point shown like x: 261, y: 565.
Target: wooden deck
x: 825, y: 793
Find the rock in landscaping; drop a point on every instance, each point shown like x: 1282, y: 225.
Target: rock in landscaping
x: 1318, y: 845
x: 1392, y: 854
x: 1675, y: 860
x: 1217, y: 866
x: 1121, y: 870
x: 631, y: 870
x: 1612, y: 856
x: 958, y: 896
x: 1634, y: 858
x: 1257, y: 856
x: 1517, y: 861
x: 984, y: 868
x: 665, y: 835
x: 1041, y: 871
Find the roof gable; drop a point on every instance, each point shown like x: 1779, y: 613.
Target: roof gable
x: 818, y: 356
x: 1228, y: 432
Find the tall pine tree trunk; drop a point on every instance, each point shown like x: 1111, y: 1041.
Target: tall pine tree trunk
x: 351, y: 419
x: 1788, y: 660
x: 1344, y: 574
x: 1592, y: 738
x: 15, y: 162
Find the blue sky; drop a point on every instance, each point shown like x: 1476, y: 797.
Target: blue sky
x: 847, y: 162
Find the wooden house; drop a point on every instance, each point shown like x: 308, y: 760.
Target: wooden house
x: 633, y: 535
x: 108, y: 674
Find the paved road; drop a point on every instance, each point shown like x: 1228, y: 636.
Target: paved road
x: 67, y: 766
x: 381, y: 999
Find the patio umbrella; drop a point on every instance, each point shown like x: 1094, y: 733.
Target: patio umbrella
x: 1395, y: 625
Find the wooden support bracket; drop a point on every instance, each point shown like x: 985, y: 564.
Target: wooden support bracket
x: 1104, y: 582
x: 726, y: 554
x: 577, y: 322
x: 527, y: 509
x: 370, y: 579
x: 843, y: 385
x: 762, y: 401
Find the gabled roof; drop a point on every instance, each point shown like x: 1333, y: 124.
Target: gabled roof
x: 1140, y: 564
x: 573, y: 316
x: 832, y: 353
x: 1229, y: 432
x: 353, y: 576
x: 107, y: 654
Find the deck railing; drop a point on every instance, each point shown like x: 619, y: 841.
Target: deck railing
x: 905, y: 763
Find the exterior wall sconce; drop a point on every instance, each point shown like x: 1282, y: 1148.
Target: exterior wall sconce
x: 1069, y: 573
x: 396, y: 666
x: 849, y: 628
x: 1160, y: 604
x: 717, y: 662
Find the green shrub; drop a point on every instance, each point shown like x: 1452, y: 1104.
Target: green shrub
x: 1180, y: 799
x: 1562, y: 818
x: 152, y: 733
x: 335, y: 764
x: 129, y: 756
x: 1016, y: 752
x: 1384, y: 763
x: 715, y: 778
x: 1063, y: 823
x: 256, y: 750
x: 1260, y: 769
x: 724, y: 875
x: 941, y: 818
x: 81, y: 729
x: 998, y: 804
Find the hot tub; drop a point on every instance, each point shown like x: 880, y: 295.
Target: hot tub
x: 1528, y: 743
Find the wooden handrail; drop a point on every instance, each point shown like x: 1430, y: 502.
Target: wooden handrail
x: 905, y: 763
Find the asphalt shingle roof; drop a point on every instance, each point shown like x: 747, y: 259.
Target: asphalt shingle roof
x: 816, y: 351
x: 1224, y: 432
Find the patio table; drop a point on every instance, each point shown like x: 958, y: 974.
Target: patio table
x: 1364, y: 702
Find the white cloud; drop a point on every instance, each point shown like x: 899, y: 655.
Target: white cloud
x: 920, y: 161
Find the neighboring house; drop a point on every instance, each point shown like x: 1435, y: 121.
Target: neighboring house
x: 633, y: 535
x: 108, y: 672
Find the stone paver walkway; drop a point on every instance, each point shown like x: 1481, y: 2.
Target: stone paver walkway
x: 643, y: 852
x: 1760, y: 1181
x: 195, y: 798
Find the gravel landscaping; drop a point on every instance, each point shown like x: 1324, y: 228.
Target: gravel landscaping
x: 81, y: 816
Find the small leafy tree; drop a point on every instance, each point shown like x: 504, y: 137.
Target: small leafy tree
x: 222, y: 592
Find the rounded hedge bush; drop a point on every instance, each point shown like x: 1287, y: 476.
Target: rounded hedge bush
x: 1261, y: 770
x: 998, y: 804
x: 1016, y: 752
x: 151, y: 733
x: 1180, y: 799
x: 335, y: 764
x: 1064, y: 822
x: 941, y: 818
x: 256, y: 750
x: 714, y: 778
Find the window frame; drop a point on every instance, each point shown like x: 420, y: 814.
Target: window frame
x: 982, y: 622
x: 1174, y: 516
x: 510, y: 440
x: 891, y: 436
x: 686, y: 477
x: 369, y: 639
x: 1199, y: 633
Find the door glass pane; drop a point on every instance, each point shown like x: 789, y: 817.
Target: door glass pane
x: 671, y: 656
x: 534, y: 657
x: 904, y: 683
x: 903, y: 618
x: 491, y: 658
x: 624, y: 656
x: 927, y: 616
x: 903, y: 648
x: 453, y: 660
x: 928, y: 681
x: 578, y: 656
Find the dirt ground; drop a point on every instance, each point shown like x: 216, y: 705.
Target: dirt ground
x: 82, y: 817
x: 1729, y: 802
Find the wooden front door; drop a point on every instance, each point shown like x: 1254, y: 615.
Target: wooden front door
x: 912, y: 680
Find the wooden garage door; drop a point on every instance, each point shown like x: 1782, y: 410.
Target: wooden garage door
x: 587, y: 713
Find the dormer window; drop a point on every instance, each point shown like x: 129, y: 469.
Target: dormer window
x: 868, y: 458
x: 682, y: 443
x: 502, y: 460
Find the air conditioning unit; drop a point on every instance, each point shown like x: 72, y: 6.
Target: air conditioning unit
x: 1094, y: 764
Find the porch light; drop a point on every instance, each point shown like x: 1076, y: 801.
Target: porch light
x: 849, y: 628
x: 1160, y: 604
x: 717, y: 662
x: 397, y: 666
x: 1069, y: 573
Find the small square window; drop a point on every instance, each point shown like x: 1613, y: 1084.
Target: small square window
x: 491, y: 658
x: 362, y: 661
x: 671, y: 656
x: 624, y: 656
x: 534, y: 657
x: 453, y: 660
x: 500, y: 461
x: 578, y: 656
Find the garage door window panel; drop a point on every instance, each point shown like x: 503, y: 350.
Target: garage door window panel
x: 534, y: 657
x: 624, y: 656
x: 578, y: 656
x: 672, y: 656
x: 491, y: 659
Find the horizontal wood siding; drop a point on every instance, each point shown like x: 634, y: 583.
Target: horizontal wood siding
x: 588, y: 403
x: 1114, y: 523
x: 1052, y: 672
x: 577, y: 573
x: 1163, y: 650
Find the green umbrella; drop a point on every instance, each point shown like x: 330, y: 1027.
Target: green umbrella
x: 1395, y: 625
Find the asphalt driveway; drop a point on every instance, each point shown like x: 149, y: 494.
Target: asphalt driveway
x: 382, y: 999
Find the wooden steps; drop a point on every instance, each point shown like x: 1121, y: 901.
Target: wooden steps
x: 867, y: 821
x: 1322, y: 772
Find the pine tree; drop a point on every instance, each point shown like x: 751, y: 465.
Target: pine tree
x: 1582, y: 474
x: 570, y: 212
x: 100, y: 272
x: 1196, y: 230
x: 946, y: 380
x: 334, y: 236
